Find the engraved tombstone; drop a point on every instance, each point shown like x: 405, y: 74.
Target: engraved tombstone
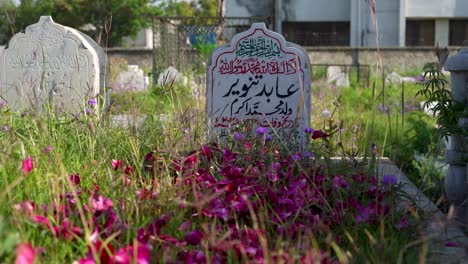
x: 261, y: 78
x: 50, y: 63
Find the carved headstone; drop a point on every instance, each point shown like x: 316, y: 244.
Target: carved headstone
x: 261, y: 78
x: 50, y: 63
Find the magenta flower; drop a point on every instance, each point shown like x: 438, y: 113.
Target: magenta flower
x: 319, y: 134
x: 75, y: 179
x: 193, y: 237
x: 27, y: 165
x: 116, y: 164
x: 451, y: 244
x: 128, y: 170
x: 25, y: 254
x: 136, y: 255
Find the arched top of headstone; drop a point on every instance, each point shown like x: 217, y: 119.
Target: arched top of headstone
x: 260, y: 42
x: 457, y: 62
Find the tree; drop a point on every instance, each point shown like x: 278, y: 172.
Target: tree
x: 6, y: 6
x: 106, y: 21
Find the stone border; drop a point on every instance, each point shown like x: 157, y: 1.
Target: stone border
x: 440, y: 229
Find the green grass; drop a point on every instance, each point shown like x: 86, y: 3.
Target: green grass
x: 86, y: 146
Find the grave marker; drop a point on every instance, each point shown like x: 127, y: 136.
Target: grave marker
x: 261, y: 78
x: 50, y: 63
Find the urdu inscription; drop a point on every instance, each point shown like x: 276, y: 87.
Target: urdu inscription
x: 261, y: 78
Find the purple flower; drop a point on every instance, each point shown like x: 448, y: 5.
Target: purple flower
x: 261, y: 130
x: 390, y: 179
x: 296, y: 157
x: 6, y: 128
x: 384, y: 108
x: 309, y: 130
x: 268, y: 137
x: 89, y: 110
x: 339, y: 182
x: 309, y: 154
x: 48, y: 149
x: 238, y: 136
x: 92, y: 102
x: 402, y: 224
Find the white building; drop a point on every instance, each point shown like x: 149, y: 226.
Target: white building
x: 352, y: 23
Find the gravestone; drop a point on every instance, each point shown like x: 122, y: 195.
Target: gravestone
x: 169, y: 76
x: 337, y: 77
x: 133, y: 79
x: 50, y: 63
x: 262, y: 79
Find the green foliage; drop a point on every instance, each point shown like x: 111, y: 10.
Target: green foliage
x: 111, y: 19
x: 440, y: 101
x: 431, y: 175
x: 8, y: 241
x: 189, y: 9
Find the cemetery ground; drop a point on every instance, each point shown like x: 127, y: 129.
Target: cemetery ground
x: 78, y: 188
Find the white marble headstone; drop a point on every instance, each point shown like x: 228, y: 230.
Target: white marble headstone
x: 133, y: 79
x: 50, y: 63
x: 261, y: 78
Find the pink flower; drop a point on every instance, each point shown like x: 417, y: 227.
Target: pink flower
x: 116, y: 164
x: 27, y: 165
x: 131, y: 254
x: 26, y: 207
x: 25, y: 254
x: 99, y: 203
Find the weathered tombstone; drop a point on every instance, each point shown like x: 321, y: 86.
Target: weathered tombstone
x: 133, y: 79
x: 262, y: 79
x: 169, y: 76
x: 336, y: 76
x: 50, y: 63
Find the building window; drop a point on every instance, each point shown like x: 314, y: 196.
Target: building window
x: 317, y: 33
x: 458, y: 32
x: 420, y: 32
